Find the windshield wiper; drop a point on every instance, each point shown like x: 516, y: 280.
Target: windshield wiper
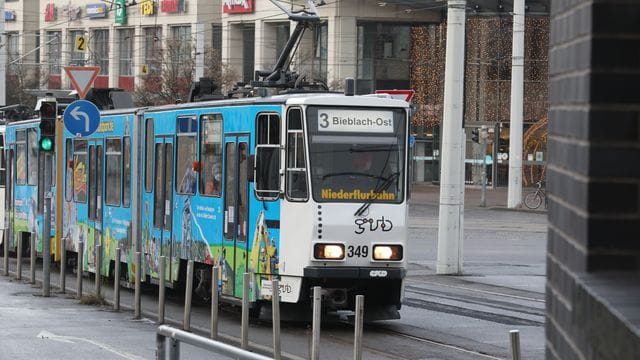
x: 382, y: 187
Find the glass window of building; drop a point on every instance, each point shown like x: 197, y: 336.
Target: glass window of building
x: 77, y: 56
x: 180, y: 46
x: 319, y: 59
x: 248, y: 52
x: 54, y: 51
x: 216, y: 36
x: 153, y: 49
x: 100, y: 50
x: 125, y: 52
x: 13, y: 50
x: 383, y: 56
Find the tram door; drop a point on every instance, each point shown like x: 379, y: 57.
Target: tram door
x: 163, y: 205
x: 95, y: 200
x: 9, y: 201
x: 236, y: 213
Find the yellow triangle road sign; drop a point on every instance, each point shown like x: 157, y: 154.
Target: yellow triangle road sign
x: 82, y: 78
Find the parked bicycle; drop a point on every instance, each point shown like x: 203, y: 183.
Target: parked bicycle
x: 534, y: 199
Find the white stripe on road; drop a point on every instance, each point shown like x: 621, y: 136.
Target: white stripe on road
x: 69, y: 339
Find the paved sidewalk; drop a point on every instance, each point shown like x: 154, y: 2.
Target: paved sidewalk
x: 495, y: 198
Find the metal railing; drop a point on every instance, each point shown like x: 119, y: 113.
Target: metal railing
x: 177, y: 336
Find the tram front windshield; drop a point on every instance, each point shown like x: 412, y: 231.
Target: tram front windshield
x: 357, y: 154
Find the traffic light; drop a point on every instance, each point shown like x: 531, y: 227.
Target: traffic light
x: 475, y: 136
x: 48, y: 115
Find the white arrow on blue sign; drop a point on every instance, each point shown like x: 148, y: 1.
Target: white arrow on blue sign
x: 81, y: 118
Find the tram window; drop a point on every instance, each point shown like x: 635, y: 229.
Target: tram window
x: 148, y: 156
x: 229, y: 191
x: 186, y: 155
x: 32, y: 157
x: 268, y: 129
x: 126, y: 171
x: 68, y: 170
x: 99, y: 177
x: 243, y: 179
x: 158, y: 195
x: 80, y: 171
x: 211, y: 154
x: 3, y: 162
x: 93, y: 163
x: 296, y: 181
x: 21, y: 159
x: 114, y: 170
x: 168, y: 174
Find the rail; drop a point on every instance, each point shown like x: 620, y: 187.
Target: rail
x: 177, y: 336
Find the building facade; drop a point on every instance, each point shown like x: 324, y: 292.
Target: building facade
x: 395, y: 45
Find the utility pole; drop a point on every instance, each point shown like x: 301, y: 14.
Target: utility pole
x: 514, y: 195
x: 3, y: 59
x: 450, y: 225
x: 483, y: 142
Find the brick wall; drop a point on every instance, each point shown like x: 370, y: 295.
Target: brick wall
x: 593, y: 177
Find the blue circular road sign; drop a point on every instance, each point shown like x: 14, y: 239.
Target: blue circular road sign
x: 81, y: 117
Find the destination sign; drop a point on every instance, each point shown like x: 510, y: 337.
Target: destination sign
x: 342, y: 120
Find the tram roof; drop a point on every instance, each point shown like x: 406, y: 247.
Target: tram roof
x: 337, y: 99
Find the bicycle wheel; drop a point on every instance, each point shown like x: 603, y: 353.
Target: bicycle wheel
x: 533, y: 200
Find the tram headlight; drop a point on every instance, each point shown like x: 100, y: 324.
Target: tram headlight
x: 387, y: 252
x: 328, y: 251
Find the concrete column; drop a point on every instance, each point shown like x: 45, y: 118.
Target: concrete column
x: 232, y: 46
x: 341, y: 50
x: 138, y: 54
x: 114, y: 59
x: 514, y: 195
x: 450, y: 230
x: 263, y: 51
x: 199, y: 38
x: 64, y: 58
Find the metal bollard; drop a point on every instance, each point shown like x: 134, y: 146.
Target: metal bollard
x: 357, y: 341
x: 63, y: 265
x: 19, y: 259
x: 5, y: 243
x: 32, y: 248
x: 138, y: 289
x: 161, y: 347
x: 515, y: 344
x: 98, y: 256
x: 315, y: 327
x: 215, y: 278
x: 174, y: 349
x: 186, y: 323
x: 161, y: 290
x: 275, y: 318
x: 116, y: 281
x: 79, y: 271
x: 244, y: 330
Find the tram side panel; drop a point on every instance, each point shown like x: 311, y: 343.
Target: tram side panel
x: 97, y: 198
x: 26, y: 174
x: 188, y: 219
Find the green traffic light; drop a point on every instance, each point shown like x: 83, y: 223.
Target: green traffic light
x: 46, y: 144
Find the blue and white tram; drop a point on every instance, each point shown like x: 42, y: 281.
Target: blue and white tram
x: 307, y: 188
